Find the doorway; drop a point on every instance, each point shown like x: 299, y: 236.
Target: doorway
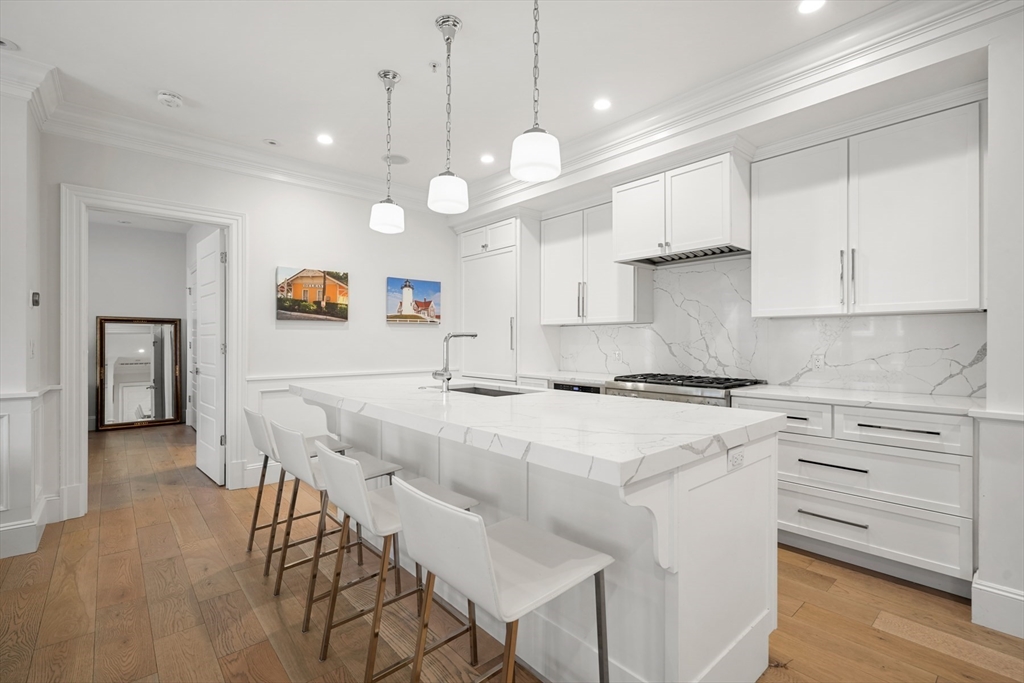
x: 78, y: 204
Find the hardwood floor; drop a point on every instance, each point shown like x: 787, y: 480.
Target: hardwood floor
x: 154, y: 584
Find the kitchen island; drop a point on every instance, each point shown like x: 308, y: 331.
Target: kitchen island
x: 683, y: 496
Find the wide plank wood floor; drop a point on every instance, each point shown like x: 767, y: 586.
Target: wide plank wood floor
x: 154, y: 584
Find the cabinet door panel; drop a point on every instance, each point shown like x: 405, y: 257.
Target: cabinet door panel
x: 638, y: 211
x: 697, y: 205
x: 489, y: 309
x: 501, y: 235
x: 472, y: 242
x: 914, y: 215
x: 799, y: 251
x: 610, y: 290
x: 562, y: 269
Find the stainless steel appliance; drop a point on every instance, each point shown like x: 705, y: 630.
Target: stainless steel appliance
x: 578, y: 387
x: 712, y: 391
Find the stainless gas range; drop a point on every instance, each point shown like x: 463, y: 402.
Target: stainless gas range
x: 712, y: 391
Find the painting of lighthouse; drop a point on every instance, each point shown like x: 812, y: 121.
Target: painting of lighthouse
x: 414, y: 301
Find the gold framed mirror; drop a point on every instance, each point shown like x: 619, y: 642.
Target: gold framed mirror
x: 138, y: 372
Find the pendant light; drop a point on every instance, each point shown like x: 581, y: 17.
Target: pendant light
x: 448, y: 193
x: 386, y: 216
x: 535, y: 153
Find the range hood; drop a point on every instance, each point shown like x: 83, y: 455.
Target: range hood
x: 696, y: 254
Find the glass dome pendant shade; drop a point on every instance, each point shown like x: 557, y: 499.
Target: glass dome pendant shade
x: 386, y: 216
x: 536, y: 155
x: 448, y: 193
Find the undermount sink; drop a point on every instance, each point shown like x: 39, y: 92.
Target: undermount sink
x: 486, y: 391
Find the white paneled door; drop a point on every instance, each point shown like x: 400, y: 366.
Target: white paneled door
x: 210, y: 418
x: 562, y: 277
x: 489, y: 309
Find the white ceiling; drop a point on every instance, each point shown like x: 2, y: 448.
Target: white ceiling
x: 291, y: 70
x: 135, y: 220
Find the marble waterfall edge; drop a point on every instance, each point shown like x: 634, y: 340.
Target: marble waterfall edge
x: 703, y: 326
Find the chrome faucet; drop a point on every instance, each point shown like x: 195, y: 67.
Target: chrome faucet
x: 444, y: 374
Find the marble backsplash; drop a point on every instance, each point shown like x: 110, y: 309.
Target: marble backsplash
x: 702, y: 326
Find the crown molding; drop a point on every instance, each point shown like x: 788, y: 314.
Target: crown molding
x: 973, y: 92
x: 893, y: 30
x: 31, y: 81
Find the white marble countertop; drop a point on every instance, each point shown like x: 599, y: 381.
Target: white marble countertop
x: 611, y: 439
x: 891, y: 400
x: 570, y: 376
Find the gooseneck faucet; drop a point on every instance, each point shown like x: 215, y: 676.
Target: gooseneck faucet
x: 444, y: 374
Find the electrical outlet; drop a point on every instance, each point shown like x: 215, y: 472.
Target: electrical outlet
x: 818, y: 361
x: 31, y: 348
x: 617, y: 356
x: 735, y: 459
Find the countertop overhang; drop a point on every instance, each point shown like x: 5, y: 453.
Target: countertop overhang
x: 611, y: 439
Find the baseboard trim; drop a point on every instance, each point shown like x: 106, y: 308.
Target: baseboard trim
x: 942, y: 582
x: 251, y: 473
x: 22, y: 537
x: 997, y: 607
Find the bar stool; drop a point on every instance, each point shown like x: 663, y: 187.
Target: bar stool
x: 509, y: 569
x: 265, y: 445
x: 295, y: 460
x: 376, y: 510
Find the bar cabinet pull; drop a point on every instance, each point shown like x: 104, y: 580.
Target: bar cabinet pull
x: 900, y: 429
x: 832, y: 519
x: 826, y: 464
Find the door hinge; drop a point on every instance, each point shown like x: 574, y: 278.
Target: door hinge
x: 197, y: 370
x: 223, y: 257
x: 223, y: 440
x: 223, y: 348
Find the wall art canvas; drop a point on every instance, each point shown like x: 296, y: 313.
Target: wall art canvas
x: 414, y: 301
x: 311, y: 294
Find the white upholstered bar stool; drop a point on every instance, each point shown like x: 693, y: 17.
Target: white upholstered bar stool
x: 376, y: 510
x: 296, y: 460
x: 265, y: 445
x: 509, y: 569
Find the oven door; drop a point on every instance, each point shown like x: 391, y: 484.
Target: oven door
x: 679, y: 398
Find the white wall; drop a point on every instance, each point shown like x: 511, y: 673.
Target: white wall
x: 134, y: 272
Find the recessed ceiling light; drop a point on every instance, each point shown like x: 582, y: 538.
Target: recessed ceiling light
x: 142, y: 350
x: 487, y: 158
x: 324, y: 139
x: 808, y: 6
x: 8, y: 45
x: 272, y: 142
x: 125, y: 222
x: 396, y: 159
x: 169, y: 99
x: 602, y: 104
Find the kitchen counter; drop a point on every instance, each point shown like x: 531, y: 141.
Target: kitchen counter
x: 569, y: 376
x: 609, y: 439
x: 683, y: 496
x: 890, y: 400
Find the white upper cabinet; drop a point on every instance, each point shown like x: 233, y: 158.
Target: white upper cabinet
x: 638, y: 217
x: 914, y: 215
x: 580, y: 281
x: 488, y: 238
x: 561, y: 286
x: 707, y: 204
x: 799, y: 241
x: 704, y: 205
x: 883, y: 222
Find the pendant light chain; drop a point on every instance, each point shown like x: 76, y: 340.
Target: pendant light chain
x: 448, y: 108
x: 536, y: 63
x: 389, y: 143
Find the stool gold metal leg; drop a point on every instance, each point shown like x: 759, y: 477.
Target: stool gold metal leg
x: 473, y: 655
x: 311, y: 591
x: 421, y: 636
x: 378, y: 610
x: 273, y: 524
x: 508, y: 662
x: 398, y: 568
x: 359, y: 548
x: 602, y: 628
x: 419, y: 594
x: 259, y: 499
x: 329, y: 624
x: 287, y: 537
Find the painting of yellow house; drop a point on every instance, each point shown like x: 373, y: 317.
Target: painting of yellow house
x: 310, y: 294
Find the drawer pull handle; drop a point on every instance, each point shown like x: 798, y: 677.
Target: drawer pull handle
x: 900, y: 429
x: 825, y: 464
x: 796, y: 417
x: 832, y: 519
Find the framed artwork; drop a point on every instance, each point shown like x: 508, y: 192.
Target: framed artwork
x: 413, y: 301
x: 311, y: 294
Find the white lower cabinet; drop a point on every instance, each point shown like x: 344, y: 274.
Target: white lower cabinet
x: 890, y: 483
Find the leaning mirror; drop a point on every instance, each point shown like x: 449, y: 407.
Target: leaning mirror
x: 138, y: 371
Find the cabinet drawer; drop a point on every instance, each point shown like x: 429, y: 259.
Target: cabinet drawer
x: 812, y: 419
x: 930, y: 540
x: 932, y: 481
x: 927, y: 431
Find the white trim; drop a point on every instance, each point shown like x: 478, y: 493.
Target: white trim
x: 997, y: 607
x: 5, y: 461
x: 984, y: 414
x: 75, y: 204
x: 974, y: 92
x: 35, y: 393
x: 23, y: 536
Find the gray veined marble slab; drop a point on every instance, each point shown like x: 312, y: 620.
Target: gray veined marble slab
x: 890, y: 400
x: 610, y: 439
